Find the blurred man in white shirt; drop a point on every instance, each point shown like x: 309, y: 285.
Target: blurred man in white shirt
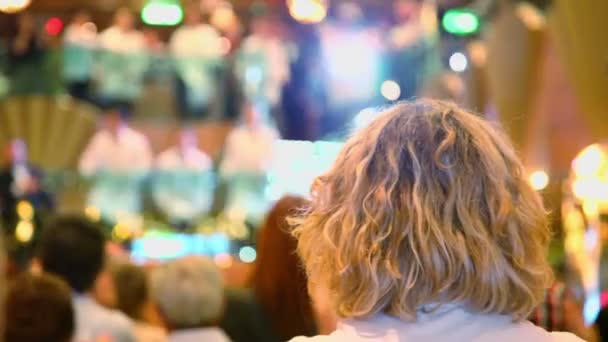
x: 246, y: 162
x: 122, y: 63
x: 116, y: 148
x: 80, y: 40
x: 119, y: 158
x: 122, y: 36
x: 248, y: 147
x: 183, y: 186
x: 197, y: 49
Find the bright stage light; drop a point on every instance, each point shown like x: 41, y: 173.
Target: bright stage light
x: 24, y: 231
x: 390, y: 90
x: 247, y: 254
x: 307, y: 11
x: 460, y: 22
x: 458, y: 62
x: 539, y: 180
x: 162, y: 13
x: 13, y: 6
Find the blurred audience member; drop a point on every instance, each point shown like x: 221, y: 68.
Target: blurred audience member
x: 426, y: 229
x: 248, y: 147
x: 39, y: 309
x: 183, y: 186
x: 197, y: 50
x: 278, y: 308
x: 190, y: 293
x: 80, y: 40
x: 263, y: 69
x: 135, y: 301
x: 122, y: 63
x: 73, y: 248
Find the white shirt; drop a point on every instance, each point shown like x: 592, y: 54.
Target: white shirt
x: 452, y: 324
x: 248, y: 151
x: 80, y: 35
x: 191, y: 159
x: 119, y: 41
x: 182, y: 188
x: 196, y: 41
x: 94, y: 321
x: 127, y: 152
x: 199, y: 335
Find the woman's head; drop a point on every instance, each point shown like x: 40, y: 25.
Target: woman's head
x: 428, y: 204
x: 279, y: 274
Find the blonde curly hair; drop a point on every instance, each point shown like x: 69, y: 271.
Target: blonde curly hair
x: 427, y: 205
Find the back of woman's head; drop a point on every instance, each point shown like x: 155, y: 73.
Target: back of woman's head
x: 427, y: 205
x: 39, y: 309
x: 279, y: 279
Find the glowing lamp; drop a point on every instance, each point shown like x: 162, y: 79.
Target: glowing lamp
x: 24, y: 231
x: 307, y: 11
x: 162, y: 13
x: 539, y: 180
x: 390, y: 90
x: 460, y: 22
x: 13, y: 6
x: 53, y: 26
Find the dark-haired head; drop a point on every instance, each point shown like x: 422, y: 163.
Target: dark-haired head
x: 73, y: 248
x: 40, y: 310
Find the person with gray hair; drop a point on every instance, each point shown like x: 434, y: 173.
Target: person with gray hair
x: 189, y: 293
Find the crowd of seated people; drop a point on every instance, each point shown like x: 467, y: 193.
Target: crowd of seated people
x: 423, y: 229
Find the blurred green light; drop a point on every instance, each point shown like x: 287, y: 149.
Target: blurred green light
x: 162, y: 13
x: 460, y: 22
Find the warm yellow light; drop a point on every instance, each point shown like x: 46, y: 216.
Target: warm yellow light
x: 24, y: 231
x: 25, y: 211
x: 13, y: 6
x: 121, y: 232
x: 539, y: 180
x: 590, y: 161
x: 93, y: 213
x: 307, y: 11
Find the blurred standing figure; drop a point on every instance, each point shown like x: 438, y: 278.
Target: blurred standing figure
x: 39, y: 309
x: 263, y: 69
x: 73, y: 248
x: 80, y: 40
x: 183, y: 186
x: 197, y: 50
x: 26, y: 58
x: 190, y: 294
x: 119, y: 158
x: 123, y: 62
